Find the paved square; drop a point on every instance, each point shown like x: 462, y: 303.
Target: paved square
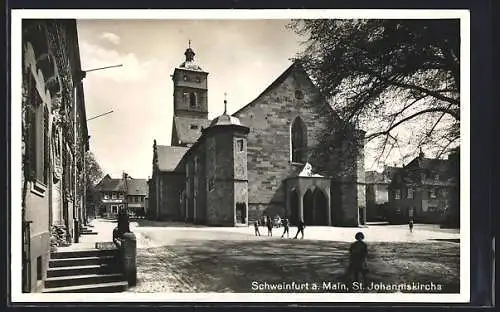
x: 181, y: 258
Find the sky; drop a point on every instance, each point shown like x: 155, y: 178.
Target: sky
x: 242, y: 57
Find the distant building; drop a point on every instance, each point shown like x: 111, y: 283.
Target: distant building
x: 124, y: 193
x: 137, y: 192
x: 422, y: 190
x: 377, y: 193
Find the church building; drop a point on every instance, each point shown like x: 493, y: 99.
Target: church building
x: 257, y: 162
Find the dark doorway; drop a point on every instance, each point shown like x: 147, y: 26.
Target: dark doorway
x: 294, y: 207
x: 308, y: 208
x: 320, y: 208
x: 241, y: 213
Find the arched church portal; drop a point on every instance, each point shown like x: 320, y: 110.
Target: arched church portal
x: 294, y: 209
x: 320, y: 204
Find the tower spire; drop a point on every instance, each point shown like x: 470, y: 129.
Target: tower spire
x: 225, y: 103
x: 189, y: 43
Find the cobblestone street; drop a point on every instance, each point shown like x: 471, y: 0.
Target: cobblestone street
x: 183, y: 258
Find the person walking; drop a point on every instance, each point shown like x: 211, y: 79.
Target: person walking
x: 256, y: 227
x: 269, y: 226
x: 410, y: 225
x: 300, y: 229
x: 286, y: 228
x: 358, y: 252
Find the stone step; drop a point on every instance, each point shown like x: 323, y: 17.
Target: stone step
x: 65, y: 281
x: 88, y: 233
x: 82, y: 270
x: 60, y: 254
x: 66, y: 262
x: 95, y: 288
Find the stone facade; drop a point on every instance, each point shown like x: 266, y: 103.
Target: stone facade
x: 55, y: 140
x: 274, y: 151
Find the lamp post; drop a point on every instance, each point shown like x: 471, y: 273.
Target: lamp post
x: 76, y: 219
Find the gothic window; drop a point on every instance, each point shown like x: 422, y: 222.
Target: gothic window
x: 192, y: 100
x: 195, y: 186
x: 298, y: 141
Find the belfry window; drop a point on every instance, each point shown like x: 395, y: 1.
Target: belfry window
x: 192, y: 100
x: 298, y: 141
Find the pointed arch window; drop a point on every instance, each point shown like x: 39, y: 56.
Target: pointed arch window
x: 298, y: 138
x: 193, y: 100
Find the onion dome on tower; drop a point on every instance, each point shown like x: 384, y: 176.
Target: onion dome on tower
x: 190, y: 63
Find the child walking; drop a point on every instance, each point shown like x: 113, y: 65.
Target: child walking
x: 358, y: 252
x: 256, y: 227
x: 286, y: 228
x: 269, y: 226
x: 300, y: 229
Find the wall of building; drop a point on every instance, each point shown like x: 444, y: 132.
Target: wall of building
x: 269, y: 119
x: 49, y: 62
x: 170, y: 186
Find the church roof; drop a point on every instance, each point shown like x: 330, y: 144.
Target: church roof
x: 169, y: 156
x: 294, y: 66
x: 137, y: 187
x: 189, y: 129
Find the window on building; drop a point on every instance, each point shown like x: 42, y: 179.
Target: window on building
x: 211, y: 184
x: 106, y: 196
x: 121, y: 196
x: 432, y: 193
x: 240, y: 145
x: 192, y: 127
x: 397, y: 194
x: 192, y: 100
x: 37, y: 115
x: 113, y: 196
x: 46, y: 147
x: 410, y: 193
x: 298, y: 140
x: 114, y: 209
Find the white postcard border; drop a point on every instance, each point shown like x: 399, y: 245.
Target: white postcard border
x: 16, y: 219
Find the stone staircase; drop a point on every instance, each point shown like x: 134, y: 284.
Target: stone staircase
x: 84, y: 271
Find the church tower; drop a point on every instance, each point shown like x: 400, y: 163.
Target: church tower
x: 190, y: 101
x: 190, y: 88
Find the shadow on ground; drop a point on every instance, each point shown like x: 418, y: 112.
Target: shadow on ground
x: 152, y: 223
x: 232, y: 266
